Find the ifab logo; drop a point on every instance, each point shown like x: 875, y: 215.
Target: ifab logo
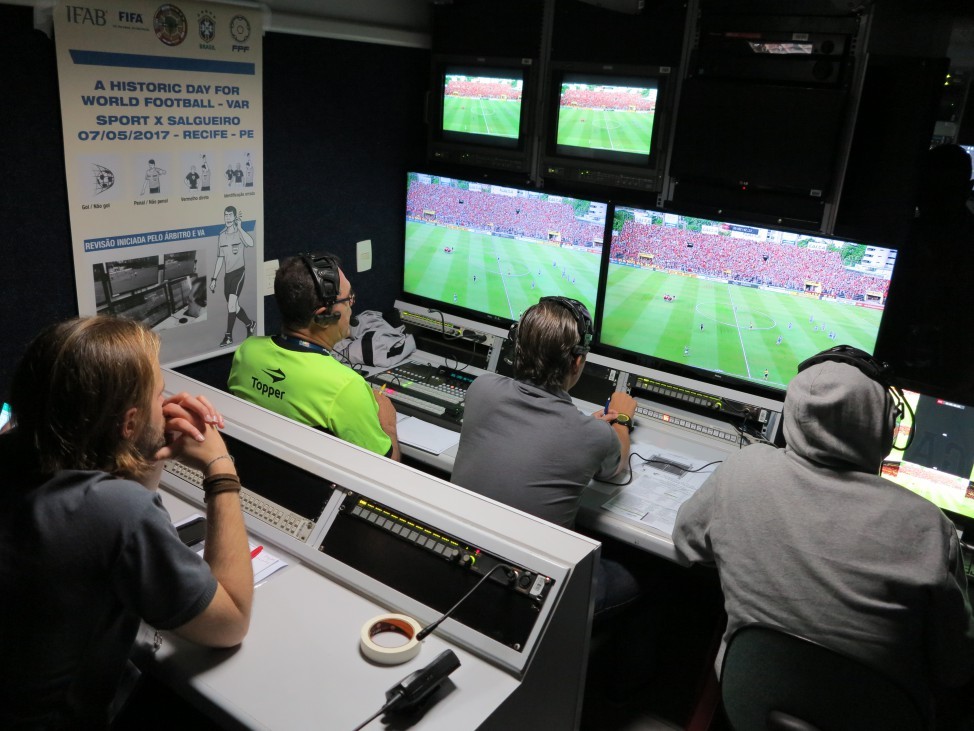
x: 85, y: 16
x: 170, y: 25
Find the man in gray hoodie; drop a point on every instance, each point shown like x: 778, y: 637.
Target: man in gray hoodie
x: 809, y: 538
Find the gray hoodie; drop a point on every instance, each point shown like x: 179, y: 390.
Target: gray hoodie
x: 811, y: 539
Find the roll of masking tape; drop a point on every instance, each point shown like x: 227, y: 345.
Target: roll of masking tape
x: 398, y: 624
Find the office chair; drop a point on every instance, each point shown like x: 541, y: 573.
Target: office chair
x: 776, y: 681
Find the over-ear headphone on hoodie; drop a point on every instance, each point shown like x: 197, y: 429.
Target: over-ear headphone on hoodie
x: 583, y: 321
x: 324, y: 273
x: 876, y: 370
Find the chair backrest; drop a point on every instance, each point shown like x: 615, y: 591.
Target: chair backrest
x: 776, y: 681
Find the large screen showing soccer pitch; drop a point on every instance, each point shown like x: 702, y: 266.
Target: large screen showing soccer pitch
x: 494, y: 250
x: 740, y: 301
x: 938, y: 463
x: 607, y: 115
x: 483, y: 103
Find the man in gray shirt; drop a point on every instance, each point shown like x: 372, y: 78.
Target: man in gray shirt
x: 525, y: 444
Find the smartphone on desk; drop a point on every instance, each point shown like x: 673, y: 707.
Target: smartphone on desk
x: 192, y: 532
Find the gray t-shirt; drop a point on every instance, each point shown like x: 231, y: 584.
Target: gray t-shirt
x: 531, y: 449
x: 84, y: 558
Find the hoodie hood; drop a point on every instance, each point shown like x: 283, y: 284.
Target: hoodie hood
x: 838, y: 417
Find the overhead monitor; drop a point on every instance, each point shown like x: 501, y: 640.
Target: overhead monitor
x: 939, y: 462
x: 733, y: 303
x: 605, y: 125
x: 132, y: 274
x: 488, y: 252
x: 481, y: 112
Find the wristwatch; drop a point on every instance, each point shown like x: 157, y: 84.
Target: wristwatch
x: 625, y: 420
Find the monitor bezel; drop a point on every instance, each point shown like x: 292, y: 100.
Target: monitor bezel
x: 486, y: 318
x: 448, y: 147
x: 597, y: 167
x: 702, y: 375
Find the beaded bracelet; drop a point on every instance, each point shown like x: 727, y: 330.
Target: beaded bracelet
x: 215, y: 484
x: 217, y: 459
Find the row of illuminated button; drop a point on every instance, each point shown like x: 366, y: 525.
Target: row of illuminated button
x: 421, y: 537
x: 429, y: 322
x: 687, y: 424
x: 687, y: 396
x: 452, y: 394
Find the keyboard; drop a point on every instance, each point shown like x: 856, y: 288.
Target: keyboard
x: 431, y: 393
x: 252, y: 504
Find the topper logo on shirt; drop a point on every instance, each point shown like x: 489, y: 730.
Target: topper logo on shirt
x: 276, y: 375
x: 268, y: 389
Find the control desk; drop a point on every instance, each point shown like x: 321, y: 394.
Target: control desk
x: 363, y: 536
x: 675, y: 416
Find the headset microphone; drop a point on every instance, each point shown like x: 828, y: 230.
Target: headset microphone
x: 353, y: 321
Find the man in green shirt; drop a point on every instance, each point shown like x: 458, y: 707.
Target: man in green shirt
x: 295, y: 373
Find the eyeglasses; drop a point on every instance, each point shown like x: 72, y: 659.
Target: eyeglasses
x: 350, y: 299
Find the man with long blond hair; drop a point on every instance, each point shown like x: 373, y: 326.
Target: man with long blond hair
x: 88, y: 549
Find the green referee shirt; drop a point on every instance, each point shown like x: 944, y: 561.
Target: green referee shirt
x: 308, y: 385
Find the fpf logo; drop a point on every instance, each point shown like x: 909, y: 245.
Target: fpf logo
x: 85, y: 16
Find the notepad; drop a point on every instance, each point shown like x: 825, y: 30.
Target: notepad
x: 423, y: 435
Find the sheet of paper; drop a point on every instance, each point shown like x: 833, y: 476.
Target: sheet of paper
x: 264, y: 562
x: 423, y: 435
x: 658, y: 489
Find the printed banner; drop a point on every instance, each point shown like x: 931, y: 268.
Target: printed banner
x: 163, y: 150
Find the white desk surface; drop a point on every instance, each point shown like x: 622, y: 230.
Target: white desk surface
x: 300, y: 666
x: 645, y: 439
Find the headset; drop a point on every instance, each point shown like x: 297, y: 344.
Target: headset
x: 583, y: 320
x: 324, y: 273
x: 874, y: 369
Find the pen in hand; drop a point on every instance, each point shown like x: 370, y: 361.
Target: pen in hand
x: 607, y: 402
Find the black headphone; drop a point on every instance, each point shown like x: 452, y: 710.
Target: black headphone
x: 877, y: 370
x: 583, y: 321
x: 324, y: 273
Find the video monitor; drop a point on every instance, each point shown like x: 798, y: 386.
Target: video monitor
x: 150, y: 307
x: 489, y: 252
x: 179, y: 293
x: 482, y: 105
x: 725, y: 302
x: 132, y: 274
x: 606, y: 125
x: 481, y: 113
x: 939, y: 463
x: 179, y: 264
x: 604, y: 117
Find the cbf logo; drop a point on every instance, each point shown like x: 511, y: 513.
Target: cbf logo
x: 170, y: 25
x: 207, y: 26
x: 85, y: 16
